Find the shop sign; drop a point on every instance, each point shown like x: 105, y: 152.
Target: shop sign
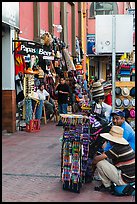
x: 10, y: 13
x: 33, y: 48
x: 91, y: 44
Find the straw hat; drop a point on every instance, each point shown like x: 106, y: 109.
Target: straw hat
x: 96, y: 84
x: 125, y: 91
x: 98, y: 94
x: 100, y: 88
x: 115, y: 135
x: 97, y: 89
x: 118, y: 91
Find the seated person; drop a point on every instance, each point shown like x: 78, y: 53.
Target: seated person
x: 47, y: 100
x: 117, y: 165
x: 118, y: 118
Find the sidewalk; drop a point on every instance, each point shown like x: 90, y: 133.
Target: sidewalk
x: 31, y: 167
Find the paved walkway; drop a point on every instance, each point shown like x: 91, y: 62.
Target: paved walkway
x: 31, y: 167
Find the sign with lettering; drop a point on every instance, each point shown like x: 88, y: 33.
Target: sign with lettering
x: 33, y: 48
x: 10, y: 13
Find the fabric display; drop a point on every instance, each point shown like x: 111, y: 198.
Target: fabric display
x: 132, y: 72
x: 126, y: 71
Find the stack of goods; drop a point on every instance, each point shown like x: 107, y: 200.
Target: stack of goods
x: 97, y: 89
x: 74, y: 151
x: 124, y: 72
x: 125, y: 100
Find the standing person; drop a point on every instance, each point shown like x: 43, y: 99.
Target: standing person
x: 63, y: 92
x: 121, y: 170
x: 118, y: 118
x: 47, y: 100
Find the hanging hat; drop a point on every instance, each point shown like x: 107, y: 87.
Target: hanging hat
x: 118, y: 102
x: 98, y: 94
x: 96, y: 84
x: 127, y: 113
x: 115, y: 135
x: 125, y: 91
x: 132, y: 91
x: 97, y: 89
x: 118, y: 91
x: 132, y: 113
x: 126, y: 102
x: 107, y: 85
x: 133, y: 102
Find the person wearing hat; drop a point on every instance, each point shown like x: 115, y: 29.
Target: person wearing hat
x: 118, y: 118
x: 121, y: 169
x: 101, y: 108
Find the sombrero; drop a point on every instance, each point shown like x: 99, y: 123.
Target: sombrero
x: 133, y: 102
x: 125, y: 91
x: 132, y: 113
x: 132, y: 91
x: 126, y: 102
x: 118, y: 91
x: 118, y: 102
x: 115, y: 135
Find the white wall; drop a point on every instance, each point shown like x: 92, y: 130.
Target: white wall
x: 8, y: 66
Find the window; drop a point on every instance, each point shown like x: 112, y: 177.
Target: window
x: 103, y: 8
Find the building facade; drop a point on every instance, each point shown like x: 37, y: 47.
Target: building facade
x: 100, y: 65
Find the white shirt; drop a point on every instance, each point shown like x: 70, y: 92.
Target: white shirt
x: 42, y: 94
x: 105, y: 108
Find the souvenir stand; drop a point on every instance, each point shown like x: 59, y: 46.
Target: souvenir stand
x: 74, y: 153
x: 125, y: 90
x: 32, y: 124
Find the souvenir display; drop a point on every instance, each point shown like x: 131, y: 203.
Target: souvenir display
x: 125, y: 99
x: 75, y: 147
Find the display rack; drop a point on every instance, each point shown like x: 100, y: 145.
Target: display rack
x: 74, y: 153
x: 129, y: 85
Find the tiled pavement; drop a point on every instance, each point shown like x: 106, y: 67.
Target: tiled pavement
x: 31, y: 167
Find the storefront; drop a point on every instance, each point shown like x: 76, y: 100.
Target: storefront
x: 10, y: 26
x: 35, y: 63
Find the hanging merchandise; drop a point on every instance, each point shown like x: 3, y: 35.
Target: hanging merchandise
x: 78, y: 55
x: 19, y: 89
x: 69, y: 62
x: 125, y: 99
x: 19, y: 60
x: 74, y: 155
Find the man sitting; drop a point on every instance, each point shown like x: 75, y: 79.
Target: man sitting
x: 120, y: 168
x: 118, y: 118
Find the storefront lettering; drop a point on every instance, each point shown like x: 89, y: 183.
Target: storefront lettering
x: 37, y: 51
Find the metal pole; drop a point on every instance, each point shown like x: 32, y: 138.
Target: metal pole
x: 113, y: 60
